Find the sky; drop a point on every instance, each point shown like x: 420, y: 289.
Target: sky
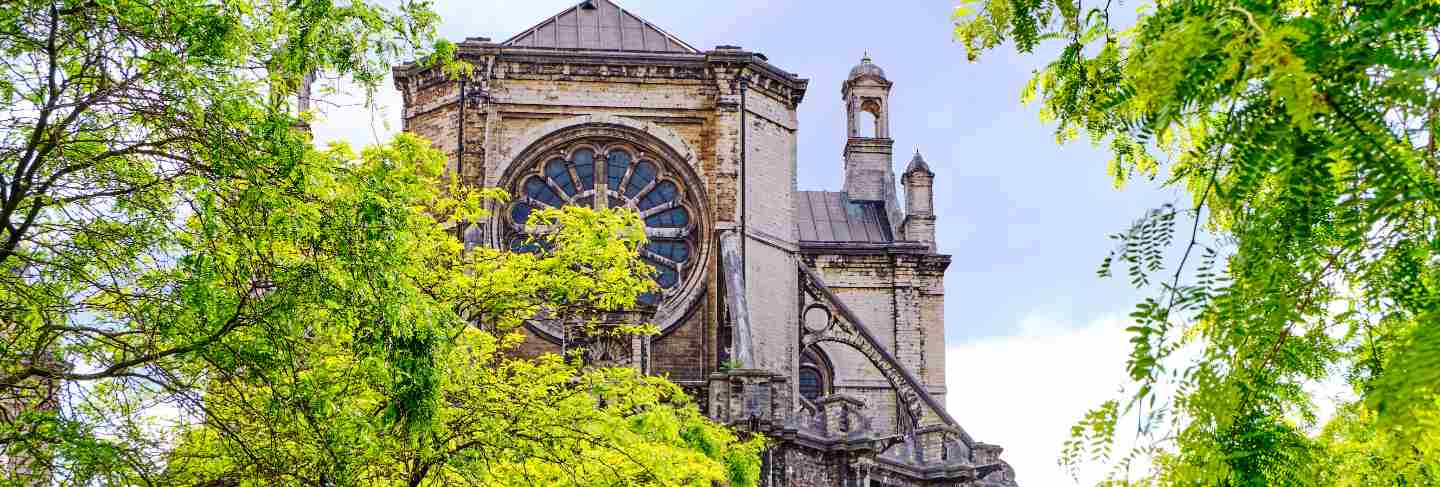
x: 1034, y: 337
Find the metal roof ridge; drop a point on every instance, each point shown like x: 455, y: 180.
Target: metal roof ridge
x: 555, y: 19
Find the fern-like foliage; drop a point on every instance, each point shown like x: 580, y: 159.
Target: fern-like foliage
x: 1305, y: 133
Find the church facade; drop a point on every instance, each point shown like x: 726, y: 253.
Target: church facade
x: 813, y: 317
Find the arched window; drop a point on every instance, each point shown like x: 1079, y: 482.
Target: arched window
x: 812, y: 385
x: 814, y: 375
x: 613, y: 174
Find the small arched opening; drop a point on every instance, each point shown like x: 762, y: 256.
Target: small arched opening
x: 869, y: 121
x: 866, y: 125
x: 816, y: 376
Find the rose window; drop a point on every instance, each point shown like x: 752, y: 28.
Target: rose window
x: 614, y: 176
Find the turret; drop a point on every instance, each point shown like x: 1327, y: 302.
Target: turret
x: 867, y: 95
x: 868, y: 176
x: 868, y: 147
x: 919, y: 184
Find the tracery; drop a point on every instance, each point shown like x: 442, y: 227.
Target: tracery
x: 614, y: 174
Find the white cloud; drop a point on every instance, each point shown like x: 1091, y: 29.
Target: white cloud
x: 342, y: 115
x: 1023, y: 392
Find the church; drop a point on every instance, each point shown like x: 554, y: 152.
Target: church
x: 815, y: 318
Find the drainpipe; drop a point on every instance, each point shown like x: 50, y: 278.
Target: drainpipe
x: 460, y: 158
x: 744, y: 195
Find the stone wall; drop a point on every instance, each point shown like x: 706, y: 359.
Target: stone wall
x: 805, y: 467
x: 868, y: 172
x: 682, y: 354
x: 520, y: 99
x: 769, y: 219
x: 901, y: 299
x: 689, y: 103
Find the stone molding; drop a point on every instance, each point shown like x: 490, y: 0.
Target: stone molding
x: 502, y: 62
x: 520, y: 145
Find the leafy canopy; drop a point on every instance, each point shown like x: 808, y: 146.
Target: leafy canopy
x: 192, y: 293
x: 1308, y: 254
x: 352, y: 402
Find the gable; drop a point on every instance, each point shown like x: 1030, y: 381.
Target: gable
x: 599, y: 25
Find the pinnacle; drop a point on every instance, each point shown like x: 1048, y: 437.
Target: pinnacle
x: 918, y: 164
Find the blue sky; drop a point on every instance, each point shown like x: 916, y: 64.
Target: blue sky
x: 1025, y: 219
x: 1034, y: 337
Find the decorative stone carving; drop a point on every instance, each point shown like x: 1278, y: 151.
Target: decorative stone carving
x: 843, y: 327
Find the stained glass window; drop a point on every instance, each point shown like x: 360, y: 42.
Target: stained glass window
x: 520, y: 212
x: 617, y: 168
x: 584, y: 160
x: 640, y: 178
x: 673, y: 250
x: 537, y: 189
x: 672, y: 218
x: 627, y: 178
x: 558, y: 173
x: 810, y: 386
x: 663, y: 192
x: 814, y: 376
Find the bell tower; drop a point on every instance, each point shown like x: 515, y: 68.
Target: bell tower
x: 868, y: 147
x: 867, y: 101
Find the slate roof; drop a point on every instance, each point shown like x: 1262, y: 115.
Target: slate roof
x: 599, y: 25
x: 830, y: 216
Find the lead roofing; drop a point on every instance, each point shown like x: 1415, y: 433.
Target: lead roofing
x: 599, y: 25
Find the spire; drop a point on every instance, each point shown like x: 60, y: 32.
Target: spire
x: 919, y: 184
x: 917, y: 164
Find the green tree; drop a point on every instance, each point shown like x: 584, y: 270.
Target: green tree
x: 1305, y: 134
x: 343, y: 403
x: 191, y: 292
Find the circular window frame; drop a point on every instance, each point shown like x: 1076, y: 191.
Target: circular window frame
x: 675, y: 303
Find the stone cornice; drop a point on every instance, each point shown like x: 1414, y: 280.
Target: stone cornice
x: 865, y: 248
x: 764, y: 76
x: 922, y: 260
x: 946, y: 471
x: 500, y: 62
x: 851, y: 84
x: 869, y: 144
